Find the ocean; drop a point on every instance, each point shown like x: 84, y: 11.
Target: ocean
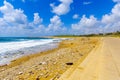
x: 15, y: 47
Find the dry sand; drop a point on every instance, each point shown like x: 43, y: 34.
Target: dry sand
x: 49, y: 65
x: 102, y: 63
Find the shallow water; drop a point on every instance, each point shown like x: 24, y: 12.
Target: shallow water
x: 12, y: 49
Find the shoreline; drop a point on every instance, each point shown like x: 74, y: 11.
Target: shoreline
x: 49, y: 64
x: 11, y: 55
x: 28, y: 56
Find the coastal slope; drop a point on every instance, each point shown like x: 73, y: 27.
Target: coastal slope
x: 102, y: 63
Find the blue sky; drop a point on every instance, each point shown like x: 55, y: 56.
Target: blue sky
x: 54, y: 17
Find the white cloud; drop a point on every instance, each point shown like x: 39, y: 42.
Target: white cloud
x: 114, y: 16
x: 116, y: 0
x: 112, y: 20
x: 56, y: 25
x: 62, y: 8
x: 37, y: 18
x: 109, y: 23
x: 15, y: 23
x: 87, y: 3
x: 75, y: 16
x: 36, y: 22
x: 86, y: 25
x: 85, y: 22
x: 12, y: 15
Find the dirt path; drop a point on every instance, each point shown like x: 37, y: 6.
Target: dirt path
x: 103, y: 63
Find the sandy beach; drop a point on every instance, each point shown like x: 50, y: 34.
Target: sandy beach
x: 51, y: 64
x: 59, y: 40
x: 102, y: 63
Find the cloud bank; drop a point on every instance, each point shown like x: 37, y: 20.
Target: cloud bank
x: 109, y: 23
x: 15, y: 23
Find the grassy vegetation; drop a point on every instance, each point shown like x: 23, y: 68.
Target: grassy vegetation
x: 66, y: 36
x: 112, y: 34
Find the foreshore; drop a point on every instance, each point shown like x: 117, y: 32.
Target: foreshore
x: 51, y: 64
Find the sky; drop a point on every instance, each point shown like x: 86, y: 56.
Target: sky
x: 19, y: 18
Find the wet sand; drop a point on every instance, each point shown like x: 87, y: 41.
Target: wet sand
x: 51, y: 64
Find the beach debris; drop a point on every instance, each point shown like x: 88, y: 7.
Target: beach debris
x: 31, y: 72
x: 58, y: 54
x: 58, y: 76
x: 2, y: 70
x: 55, y: 63
x: 5, y: 79
x: 71, y: 43
x: 69, y: 63
x: 46, y: 74
x: 55, y: 77
x: 81, y: 54
x: 20, y: 73
x: 42, y: 63
x: 20, y: 78
x: 41, y: 74
x: 38, y: 78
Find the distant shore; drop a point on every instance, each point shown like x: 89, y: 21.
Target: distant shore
x: 49, y: 64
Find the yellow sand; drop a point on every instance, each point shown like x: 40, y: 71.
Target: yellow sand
x: 103, y: 63
x: 49, y: 65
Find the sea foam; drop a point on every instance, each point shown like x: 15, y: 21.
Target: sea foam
x: 12, y: 50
